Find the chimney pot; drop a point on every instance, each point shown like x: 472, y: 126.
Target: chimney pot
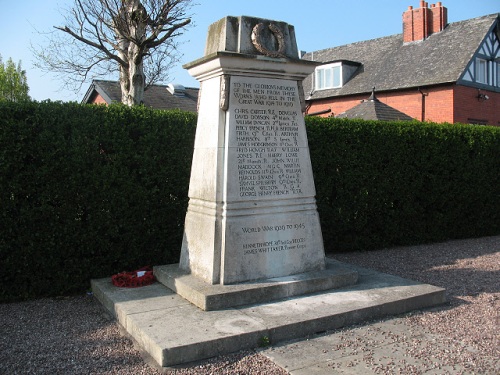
x: 420, y: 23
x: 438, y: 18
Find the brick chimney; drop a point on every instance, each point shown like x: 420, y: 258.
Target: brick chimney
x: 419, y: 23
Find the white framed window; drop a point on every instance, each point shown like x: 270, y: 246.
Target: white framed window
x: 498, y: 73
x: 328, y: 76
x: 481, y: 71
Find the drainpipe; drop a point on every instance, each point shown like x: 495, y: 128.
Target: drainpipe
x: 423, y: 104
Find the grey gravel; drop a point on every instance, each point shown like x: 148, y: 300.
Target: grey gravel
x: 462, y: 337
x: 73, y: 335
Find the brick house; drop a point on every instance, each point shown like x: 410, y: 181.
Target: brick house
x: 171, y: 96
x: 433, y: 71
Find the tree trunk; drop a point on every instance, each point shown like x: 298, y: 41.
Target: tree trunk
x: 132, y: 78
x: 136, y: 76
x: 132, y: 83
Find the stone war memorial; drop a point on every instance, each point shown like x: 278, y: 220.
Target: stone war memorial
x: 252, y: 264
x: 252, y: 212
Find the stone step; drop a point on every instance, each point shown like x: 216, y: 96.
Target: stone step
x: 174, y: 331
x: 216, y: 297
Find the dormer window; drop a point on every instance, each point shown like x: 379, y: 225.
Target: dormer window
x: 334, y: 74
x: 328, y: 76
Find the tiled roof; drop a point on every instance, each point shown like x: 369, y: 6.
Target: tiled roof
x: 156, y: 96
x: 390, y: 64
x: 374, y: 109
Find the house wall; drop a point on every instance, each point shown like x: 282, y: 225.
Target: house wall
x: 438, y: 103
x: 469, y: 109
x: 445, y: 103
x: 98, y: 99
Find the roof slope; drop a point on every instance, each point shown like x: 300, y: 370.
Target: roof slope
x: 156, y: 96
x: 389, y: 64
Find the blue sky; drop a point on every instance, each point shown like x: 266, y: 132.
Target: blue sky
x: 318, y: 24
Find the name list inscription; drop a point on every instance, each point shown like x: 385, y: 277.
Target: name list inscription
x: 266, y: 136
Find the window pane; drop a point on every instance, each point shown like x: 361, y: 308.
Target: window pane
x: 336, y: 76
x: 498, y: 74
x: 319, y: 79
x: 481, y: 71
x: 328, y: 77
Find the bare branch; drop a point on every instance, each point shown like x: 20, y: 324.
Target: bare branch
x: 133, y: 37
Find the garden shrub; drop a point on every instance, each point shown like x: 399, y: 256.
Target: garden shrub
x: 383, y: 184
x: 88, y: 191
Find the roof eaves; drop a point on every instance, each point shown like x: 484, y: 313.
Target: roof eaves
x: 88, y: 94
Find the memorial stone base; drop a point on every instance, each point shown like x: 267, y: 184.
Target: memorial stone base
x: 173, y: 331
x: 216, y: 297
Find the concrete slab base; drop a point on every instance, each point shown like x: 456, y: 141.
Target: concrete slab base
x: 174, y: 331
x: 215, y: 297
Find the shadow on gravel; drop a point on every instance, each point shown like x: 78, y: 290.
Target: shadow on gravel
x: 65, y: 335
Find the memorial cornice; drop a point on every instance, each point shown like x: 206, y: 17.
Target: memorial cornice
x: 234, y: 63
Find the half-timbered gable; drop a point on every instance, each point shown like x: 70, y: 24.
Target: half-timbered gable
x: 484, y: 68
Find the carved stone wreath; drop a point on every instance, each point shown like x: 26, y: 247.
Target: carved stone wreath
x: 257, y: 37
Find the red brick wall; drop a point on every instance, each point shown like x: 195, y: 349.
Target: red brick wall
x: 98, y: 99
x: 467, y: 106
x: 445, y: 103
x: 438, y: 103
x: 408, y: 101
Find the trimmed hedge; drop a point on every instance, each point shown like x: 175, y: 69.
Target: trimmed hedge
x: 89, y: 191
x: 382, y: 184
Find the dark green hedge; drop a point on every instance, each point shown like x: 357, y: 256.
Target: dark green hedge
x: 89, y: 191
x: 398, y: 183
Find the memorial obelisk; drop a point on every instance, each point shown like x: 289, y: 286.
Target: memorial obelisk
x: 252, y: 211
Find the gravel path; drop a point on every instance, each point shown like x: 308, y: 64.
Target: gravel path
x: 74, y: 336
x: 466, y: 331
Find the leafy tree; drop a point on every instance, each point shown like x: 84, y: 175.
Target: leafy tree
x: 13, y: 82
x: 135, y: 37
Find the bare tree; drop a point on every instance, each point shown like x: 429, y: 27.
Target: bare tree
x: 135, y: 37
